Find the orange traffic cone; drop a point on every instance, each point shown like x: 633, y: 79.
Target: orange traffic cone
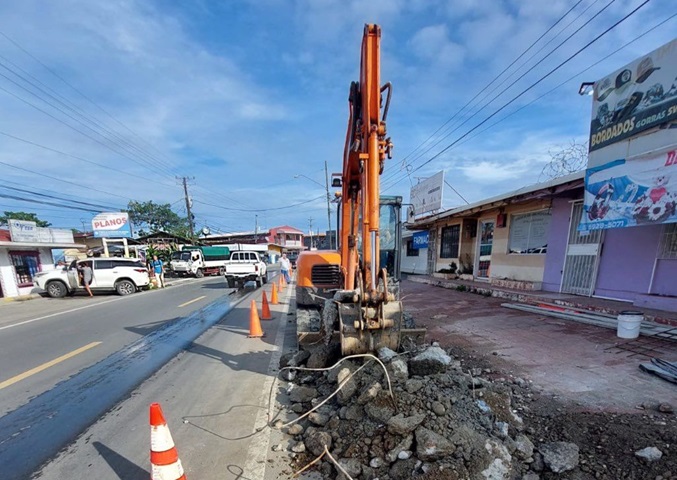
x: 255, y: 330
x: 281, y: 282
x: 273, y: 298
x: 164, y: 459
x: 265, y: 308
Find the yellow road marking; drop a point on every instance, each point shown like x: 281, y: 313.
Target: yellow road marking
x: 192, y: 301
x: 45, y: 366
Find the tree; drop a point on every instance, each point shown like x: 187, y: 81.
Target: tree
x: 26, y: 216
x: 569, y: 159
x: 148, y: 217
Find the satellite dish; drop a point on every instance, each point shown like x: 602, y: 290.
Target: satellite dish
x: 411, y: 213
x: 205, y: 231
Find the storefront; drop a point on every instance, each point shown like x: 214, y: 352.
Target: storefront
x: 21, y: 260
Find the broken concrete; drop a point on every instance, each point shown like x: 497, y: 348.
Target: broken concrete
x: 559, y: 456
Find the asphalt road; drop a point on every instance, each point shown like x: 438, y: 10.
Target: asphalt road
x: 66, y: 361
x: 214, y: 396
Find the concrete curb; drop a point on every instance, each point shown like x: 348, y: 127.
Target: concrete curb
x: 21, y: 298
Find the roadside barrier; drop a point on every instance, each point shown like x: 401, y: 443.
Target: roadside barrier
x: 265, y: 308
x: 164, y: 459
x: 255, y: 330
x: 273, y: 298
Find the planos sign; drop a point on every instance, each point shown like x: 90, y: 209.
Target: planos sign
x: 637, y: 97
x: 625, y: 193
x: 112, y: 225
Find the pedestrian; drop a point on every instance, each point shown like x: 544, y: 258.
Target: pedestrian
x: 285, y: 266
x: 86, y: 276
x: 159, y: 269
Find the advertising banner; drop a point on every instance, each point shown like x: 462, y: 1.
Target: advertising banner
x: 29, y: 232
x: 420, y: 240
x: 625, y: 193
x: 112, y: 225
x: 426, y: 196
x: 637, y: 97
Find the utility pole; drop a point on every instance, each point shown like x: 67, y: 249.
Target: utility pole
x: 189, y: 204
x: 256, y: 229
x: 310, y: 231
x: 326, y: 184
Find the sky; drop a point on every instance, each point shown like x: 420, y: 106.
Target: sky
x: 107, y: 102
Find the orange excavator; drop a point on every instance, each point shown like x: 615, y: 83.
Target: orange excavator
x: 352, y: 294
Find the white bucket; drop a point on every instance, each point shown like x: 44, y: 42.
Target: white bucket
x: 629, y: 323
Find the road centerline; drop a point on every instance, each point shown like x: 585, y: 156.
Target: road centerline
x: 45, y: 366
x: 192, y: 301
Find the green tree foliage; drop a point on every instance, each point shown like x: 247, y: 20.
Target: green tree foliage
x: 29, y: 217
x: 149, y: 217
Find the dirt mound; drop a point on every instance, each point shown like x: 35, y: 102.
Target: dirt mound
x: 458, y: 419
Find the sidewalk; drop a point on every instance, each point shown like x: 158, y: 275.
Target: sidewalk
x: 587, y: 365
x: 536, y: 297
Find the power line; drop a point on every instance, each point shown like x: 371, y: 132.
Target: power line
x: 458, y: 112
x: 55, y: 197
x: 75, y: 89
x: 72, y: 207
x: 571, y: 57
x: 261, y: 209
x: 646, y: 32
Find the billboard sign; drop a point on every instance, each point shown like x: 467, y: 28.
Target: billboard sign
x: 112, y: 225
x: 637, y: 97
x: 625, y: 193
x: 426, y: 196
x: 420, y: 240
x: 29, y: 232
x: 23, y: 231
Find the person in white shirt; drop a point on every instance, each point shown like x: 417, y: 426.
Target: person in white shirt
x: 285, y: 267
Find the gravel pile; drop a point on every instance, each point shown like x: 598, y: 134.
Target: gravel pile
x: 445, y: 422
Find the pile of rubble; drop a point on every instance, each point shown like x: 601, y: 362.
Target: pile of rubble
x: 443, y: 421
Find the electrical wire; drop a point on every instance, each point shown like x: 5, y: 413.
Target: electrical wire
x: 519, y: 95
x: 467, y: 119
x: 55, y: 197
x: 262, y: 209
x: 458, y: 112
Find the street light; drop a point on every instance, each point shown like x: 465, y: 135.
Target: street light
x: 326, y: 186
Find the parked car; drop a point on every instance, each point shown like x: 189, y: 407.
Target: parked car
x: 122, y: 275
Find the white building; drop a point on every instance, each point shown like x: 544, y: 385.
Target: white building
x: 21, y: 260
x: 414, y: 252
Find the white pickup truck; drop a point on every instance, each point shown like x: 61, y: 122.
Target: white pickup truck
x: 243, y: 267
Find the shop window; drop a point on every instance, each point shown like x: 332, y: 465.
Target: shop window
x: 411, y: 251
x: 450, y: 241
x: 26, y: 265
x: 529, y: 233
x: 668, y: 247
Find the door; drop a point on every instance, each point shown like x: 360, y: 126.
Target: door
x: 432, y: 250
x: 73, y: 276
x: 486, y: 243
x: 582, y: 256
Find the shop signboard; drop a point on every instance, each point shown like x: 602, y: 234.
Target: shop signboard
x: 420, y: 240
x: 625, y: 193
x: 638, y: 96
x: 112, y: 225
x: 28, y: 232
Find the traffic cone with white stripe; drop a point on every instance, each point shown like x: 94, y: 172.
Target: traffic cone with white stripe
x: 164, y: 459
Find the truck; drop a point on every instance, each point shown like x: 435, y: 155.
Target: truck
x: 245, y: 266
x: 199, y: 261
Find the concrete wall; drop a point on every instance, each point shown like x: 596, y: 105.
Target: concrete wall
x: 504, y: 265
x: 417, y: 265
x: 440, y: 262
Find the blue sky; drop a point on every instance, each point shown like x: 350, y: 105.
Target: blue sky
x: 245, y: 95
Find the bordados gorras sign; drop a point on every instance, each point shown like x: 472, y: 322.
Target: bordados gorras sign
x: 112, y: 225
x: 639, y: 96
